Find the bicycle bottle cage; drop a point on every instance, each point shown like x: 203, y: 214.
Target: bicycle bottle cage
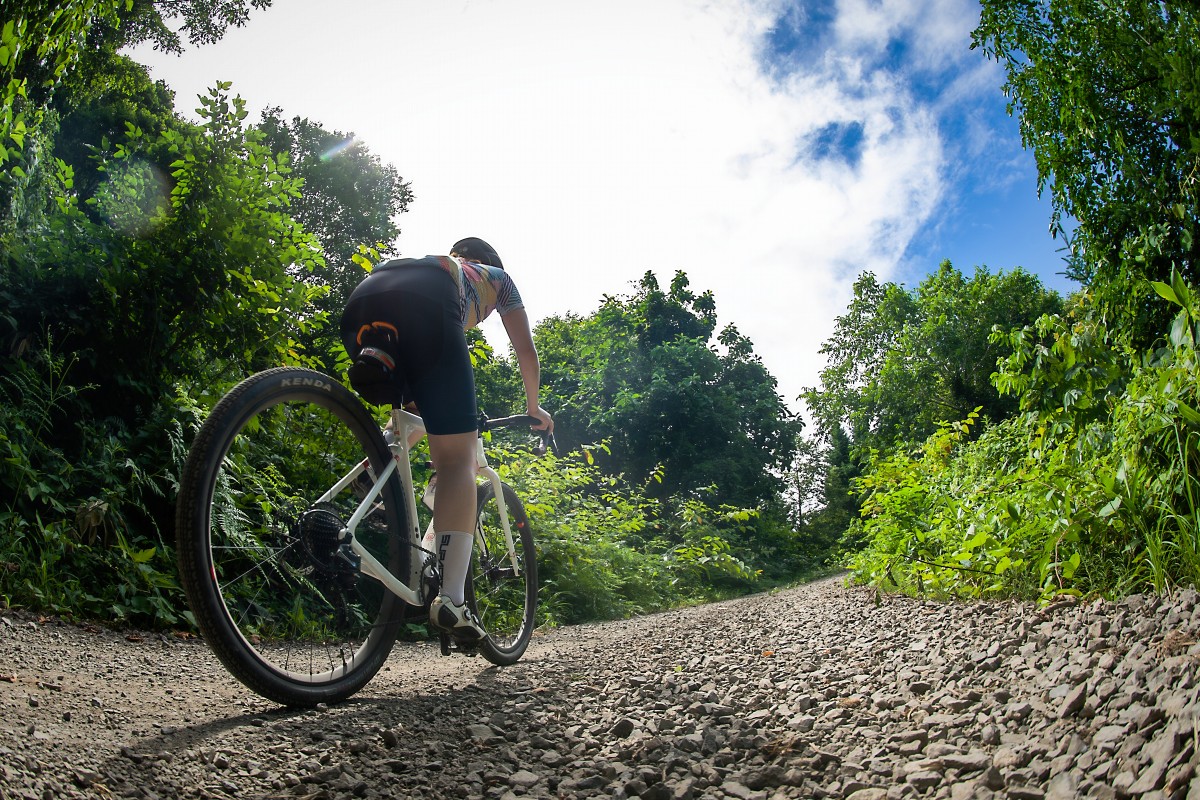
x: 373, y: 374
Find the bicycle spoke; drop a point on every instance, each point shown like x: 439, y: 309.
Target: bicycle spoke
x: 260, y: 558
x: 504, y: 597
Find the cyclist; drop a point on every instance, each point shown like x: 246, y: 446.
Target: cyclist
x: 404, y: 327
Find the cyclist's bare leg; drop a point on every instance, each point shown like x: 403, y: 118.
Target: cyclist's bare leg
x: 454, y: 459
x: 454, y: 511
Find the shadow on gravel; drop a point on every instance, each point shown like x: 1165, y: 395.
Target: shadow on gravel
x: 272, y: 751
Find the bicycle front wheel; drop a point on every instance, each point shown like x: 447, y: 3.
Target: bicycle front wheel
x: 503, y: 594
x: 259, y: 527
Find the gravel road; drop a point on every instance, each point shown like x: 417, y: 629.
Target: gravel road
x: 818, y: 691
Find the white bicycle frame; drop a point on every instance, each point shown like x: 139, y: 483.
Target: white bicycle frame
x: 406, y: 426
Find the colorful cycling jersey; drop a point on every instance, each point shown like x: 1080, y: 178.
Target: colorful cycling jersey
x: 481, y: 289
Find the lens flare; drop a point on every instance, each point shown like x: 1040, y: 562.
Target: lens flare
x: 340, y: 147
x: 134, y: 198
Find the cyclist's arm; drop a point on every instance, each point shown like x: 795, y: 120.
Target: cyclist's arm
x: 516, y: 324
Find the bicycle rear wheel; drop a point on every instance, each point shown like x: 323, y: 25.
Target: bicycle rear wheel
x: 258, y: 536
x: 503, y: 597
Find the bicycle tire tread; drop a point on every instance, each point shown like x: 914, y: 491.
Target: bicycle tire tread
x: 192, y: 520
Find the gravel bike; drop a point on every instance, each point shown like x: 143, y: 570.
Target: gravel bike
x: 300, y: 548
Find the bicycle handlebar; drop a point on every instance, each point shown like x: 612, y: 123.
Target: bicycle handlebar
x: 518, y: 420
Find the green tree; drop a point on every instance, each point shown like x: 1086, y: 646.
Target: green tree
x: 1108, y: 95
x: 349, y: 199
x: 1091, y: 487
x: 185, y: 284
x: 857, y: 351
x: 117, y: 327
x: 677, y: 409
x: 1099, y: 495
x: 190, y: 274
x: 823, y: 476
x: 40, y: 44
x: 108, y: 94
x: 200, y: 21
x: 841, y: 505
x: 804, y: 494
x: 900, y: 363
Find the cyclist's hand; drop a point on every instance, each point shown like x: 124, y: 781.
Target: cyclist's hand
x: 547, y: 422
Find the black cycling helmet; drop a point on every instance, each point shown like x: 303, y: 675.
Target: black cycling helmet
x: 477, y: 250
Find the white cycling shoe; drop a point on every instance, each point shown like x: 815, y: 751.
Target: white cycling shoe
x: 458, y: 621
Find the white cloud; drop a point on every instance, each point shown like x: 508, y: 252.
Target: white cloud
x: 591, y: 142
x: 936, y: 32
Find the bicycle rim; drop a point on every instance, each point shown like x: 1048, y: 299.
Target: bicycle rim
x: 504, y: 597
x: 283, y: 610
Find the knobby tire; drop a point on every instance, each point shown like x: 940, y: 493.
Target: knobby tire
x: 258, y: 561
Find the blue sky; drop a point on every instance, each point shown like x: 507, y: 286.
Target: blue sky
x: 990, y: 213
x: 773, y: 150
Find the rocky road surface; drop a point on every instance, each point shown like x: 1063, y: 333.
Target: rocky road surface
x: 818, y: 691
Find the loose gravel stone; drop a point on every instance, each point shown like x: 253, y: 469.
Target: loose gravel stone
x: 840, y: 697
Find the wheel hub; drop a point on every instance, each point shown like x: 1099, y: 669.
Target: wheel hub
x: 320, y: 532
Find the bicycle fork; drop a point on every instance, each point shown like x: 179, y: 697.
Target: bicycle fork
x: 494, y: 479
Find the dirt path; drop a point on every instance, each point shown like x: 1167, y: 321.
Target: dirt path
x: 819, y: 691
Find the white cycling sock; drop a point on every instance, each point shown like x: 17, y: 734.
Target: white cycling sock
x: 454, y: 550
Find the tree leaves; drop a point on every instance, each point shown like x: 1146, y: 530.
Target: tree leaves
x: 643, y: 373
x: 902, y: 362
x: 1108, y: 95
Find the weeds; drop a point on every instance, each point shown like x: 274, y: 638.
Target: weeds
x: 65, y: 541
x: 1053, y: 501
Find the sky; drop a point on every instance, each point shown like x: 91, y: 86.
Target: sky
x: 772, y: 150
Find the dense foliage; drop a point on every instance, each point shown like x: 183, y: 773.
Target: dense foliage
x: 976, y: 434
x: 148, y: 263
x: 606, y: 550
x: 690, y: 421
x: 1097, y: 494
x: 900, y: 363
x: 177, y: 273
x: 1091, y: 486
x: 674, y: 402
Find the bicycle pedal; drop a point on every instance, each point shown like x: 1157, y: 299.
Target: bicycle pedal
x: 450, y: 645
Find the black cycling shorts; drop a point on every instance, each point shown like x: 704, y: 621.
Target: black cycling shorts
x: 421, y: 301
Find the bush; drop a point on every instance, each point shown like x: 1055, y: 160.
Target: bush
x: 1099, y: 494
x: 184, y: 270
x: 605, y: 551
